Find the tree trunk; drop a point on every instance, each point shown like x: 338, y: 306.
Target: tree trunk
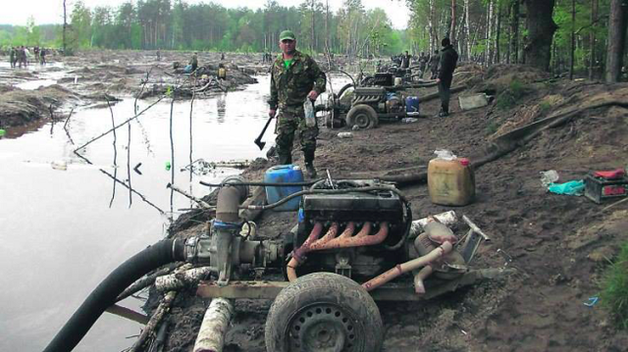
x: 573, y: 39
x: 489, y: 33
x: 467, y: 31
x: 514, y: 30
x: 541, y: 28
x: 65, y: 26
x: 430, y: 25
x: 452, y: 29
x: 498, y: 32
x: 616, y: 40
x: 592, y: 59
x: 312, y: 33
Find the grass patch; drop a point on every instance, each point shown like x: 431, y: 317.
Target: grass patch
x: 545, y: 106
x: 492, y: 127
x: 510, y: 97
x: 614, y: 296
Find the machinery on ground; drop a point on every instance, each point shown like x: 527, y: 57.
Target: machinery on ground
x: 355, y: 242
x: 377, y: 98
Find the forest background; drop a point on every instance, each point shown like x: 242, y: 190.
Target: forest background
x: 486, y: 31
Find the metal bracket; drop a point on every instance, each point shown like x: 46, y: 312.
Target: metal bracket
x: 475, y: 237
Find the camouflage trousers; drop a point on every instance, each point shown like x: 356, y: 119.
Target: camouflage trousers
x: 287, y: 124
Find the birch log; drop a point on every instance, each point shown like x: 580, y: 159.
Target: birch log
x: 182, y: 279
x: 211, y: 336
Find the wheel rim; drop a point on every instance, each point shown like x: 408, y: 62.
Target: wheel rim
x: 362, y: 120
x: 323, y: 327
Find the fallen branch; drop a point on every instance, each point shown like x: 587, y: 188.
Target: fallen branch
x: 122, y: 183
x: 211, y: 336
x: 181, y: 279
x: 155, y: 319
x: 128, y: 314
x: 614, y: 204
x: 198, y: 201
x: 510, y: 141
x: 118, y: 126
x: 145, y: 282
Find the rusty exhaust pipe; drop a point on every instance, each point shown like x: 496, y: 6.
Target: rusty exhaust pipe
x: 413, y: 264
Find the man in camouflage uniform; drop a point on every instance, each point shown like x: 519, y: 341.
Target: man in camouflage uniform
x: 294, y: 77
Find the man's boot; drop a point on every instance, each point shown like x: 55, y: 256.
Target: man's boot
x: 308, y: 155
x: 284, y: 158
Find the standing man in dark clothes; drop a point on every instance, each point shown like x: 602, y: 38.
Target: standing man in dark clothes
x: 405, y: 60
x: 422, y: 64
x: 42, y: 56
x: 433, y: 64
x: 295, y: 77
x: 12, y: 56
x: 448, y: 62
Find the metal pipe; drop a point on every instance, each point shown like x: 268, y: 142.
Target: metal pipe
x: 297, y: 255
x: 330, y: 235
x: 348, y: 232
x: 413, y: 264
x: 419, y: 287
x: 361, y: 239
x: 228, y: 204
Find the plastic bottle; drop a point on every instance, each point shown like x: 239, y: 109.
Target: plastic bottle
x: 345, y: 135
x: 310, y: 116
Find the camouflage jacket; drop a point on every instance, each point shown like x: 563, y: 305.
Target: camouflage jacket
x: 289, y: 87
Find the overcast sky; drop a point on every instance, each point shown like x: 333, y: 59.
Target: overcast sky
x: 51, y: 11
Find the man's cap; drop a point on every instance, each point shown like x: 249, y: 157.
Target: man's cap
x: 445, y: 42
x: 287, y: 34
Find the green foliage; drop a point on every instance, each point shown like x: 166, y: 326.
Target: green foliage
x: 177, y: 24
x: 614, y: 296
x: 511, y: 96
x: 545, y: 106
x: 492, y: 127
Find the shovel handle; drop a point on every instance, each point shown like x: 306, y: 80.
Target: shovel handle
x: 258, y: 140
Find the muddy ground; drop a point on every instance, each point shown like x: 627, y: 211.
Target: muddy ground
x: 91, y: 78
x: 559, y: 245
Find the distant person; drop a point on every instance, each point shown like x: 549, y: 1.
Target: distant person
x: 194, y: 62
x: 433, y: 64
x: 12, y: 56
x: 423, y: 64
x: 42, y: 56
x: 21, y: 56
x: 222, y: 72
x: 448, y: 62
x: 405, y: 60
x: 222, y: 56
x: 295, y: 77
x: 158, y: 55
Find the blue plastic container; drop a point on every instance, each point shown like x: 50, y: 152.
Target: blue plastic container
x: 283, y: 174
x: 412, y: 106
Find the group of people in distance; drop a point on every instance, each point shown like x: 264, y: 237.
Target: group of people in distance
x: 19, y: 56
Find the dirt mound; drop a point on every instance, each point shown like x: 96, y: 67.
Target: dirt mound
x: 18, y: 107
x: 500, y: 77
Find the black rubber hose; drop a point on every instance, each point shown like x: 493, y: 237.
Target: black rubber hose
x: 344, y: 88
x: 265, y: 184
x: 103, y: 296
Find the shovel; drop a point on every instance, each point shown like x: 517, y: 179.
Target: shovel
x: 258, y: 140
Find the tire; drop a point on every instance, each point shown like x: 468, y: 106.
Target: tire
x: 363, y: 116
x: 324, y: 312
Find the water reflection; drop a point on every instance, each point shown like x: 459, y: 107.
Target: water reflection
x: 221, y: 106
x: 71, y: 229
